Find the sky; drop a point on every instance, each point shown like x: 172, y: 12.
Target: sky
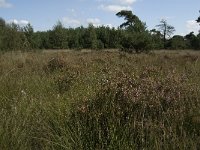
x: 43, y: 14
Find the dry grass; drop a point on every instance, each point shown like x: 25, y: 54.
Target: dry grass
x: 99, y: 100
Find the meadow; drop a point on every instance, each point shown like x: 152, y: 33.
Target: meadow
x: 104, y: 100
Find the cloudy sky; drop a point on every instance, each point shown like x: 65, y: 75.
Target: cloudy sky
x: 43, y: 14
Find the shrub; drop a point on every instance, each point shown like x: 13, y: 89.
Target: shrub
x: 55, y: 63
x: 136, y: 112
x: 138, y: 42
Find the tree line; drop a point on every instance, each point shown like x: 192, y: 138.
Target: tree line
x: 130, y: 36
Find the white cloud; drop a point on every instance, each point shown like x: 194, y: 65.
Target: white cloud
x: 123, y: 2
x: 108, y: 25
x: 97, y: 22
x: 114, y: 8
x: 94, y: 21
x: 5, y: 4
x: 19, y: 22
x: 129, y: 2
x: 192, y: 26
x: 71, y: 22
x: 24, y: 22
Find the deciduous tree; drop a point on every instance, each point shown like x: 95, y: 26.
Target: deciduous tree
x: 166, y: 30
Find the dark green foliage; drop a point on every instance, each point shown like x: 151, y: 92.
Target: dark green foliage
x: 131, y: 36
x: 157, y: 42
x: 14, y: 37
x: 28, y: 31
x: 138, y: 42
x: 41, y: 40
x: 90, y: 38
x: 132, y: 23
x: 178, y: 42
x: 135, y: 36
x: 58, y: 37
x: 76, y: 40
x: 193, y: 41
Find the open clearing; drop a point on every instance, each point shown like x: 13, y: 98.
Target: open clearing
x: 100, y: 100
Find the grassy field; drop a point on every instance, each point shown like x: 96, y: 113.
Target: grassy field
x: 99, y: 100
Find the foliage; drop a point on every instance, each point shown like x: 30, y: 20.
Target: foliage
x: 193, y: 41
x: 90, y: 40
x: 157, y: 42
x: 178, y: 42
x: 131, y: 36
x: 58, y: 37
x: 132, y: 23
x: 136, y: 38
x: 138, y: 42
x: 166, y: 30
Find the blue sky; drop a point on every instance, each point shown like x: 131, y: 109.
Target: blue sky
x: 43, y: 14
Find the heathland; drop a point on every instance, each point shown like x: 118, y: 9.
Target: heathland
x: 99, y: 100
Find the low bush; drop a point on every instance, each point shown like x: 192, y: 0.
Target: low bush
x: 138, y: 112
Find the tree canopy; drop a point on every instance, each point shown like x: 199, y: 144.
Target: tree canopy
x: 166, y: 30
x: 132, y: 21
x: 131, y: 36
x: 136, y: 37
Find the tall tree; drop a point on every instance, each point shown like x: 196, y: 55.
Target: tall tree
x: 166, y: 29
x: 135, y: 37
x: 90, y: 38
x: 2, y: 23
x: 2, y: 32
x: 193, y: 41
x: 132, y: 21
x: 28, y: 31
x: 58, y: 37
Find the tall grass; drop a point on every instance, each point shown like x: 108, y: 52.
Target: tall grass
x: 99, y: 100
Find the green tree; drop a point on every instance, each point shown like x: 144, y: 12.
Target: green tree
x: 135, y: 37
x: 193, y: 41
x: 132, y: 23
x: 76, y: 40
x: 2, y: 23
x: 115, y: 37
x: 14, y: 38
x: 90, y: 38
x: 103, y: 34
x: 178, y: 42
x: 29, y: 32
x: 166, y: 30
x: 58, y: 37
x: 2, y: 32
x: 157, y: 42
